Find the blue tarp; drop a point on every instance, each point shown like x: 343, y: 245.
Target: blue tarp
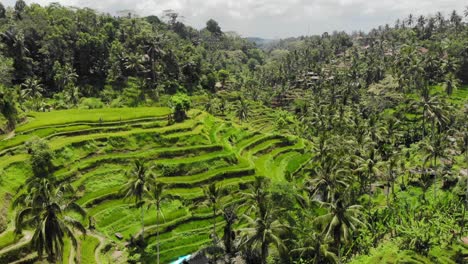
x: 181, y: 259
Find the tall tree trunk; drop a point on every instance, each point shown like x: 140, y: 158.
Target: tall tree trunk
x: 435, y: 177
x: 214, y: 224
x: 157, y: 232
x: 264, y: 252
x: 339, y: 252
x: 142, y: 224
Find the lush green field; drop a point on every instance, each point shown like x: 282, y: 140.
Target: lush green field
x: 94, y: 149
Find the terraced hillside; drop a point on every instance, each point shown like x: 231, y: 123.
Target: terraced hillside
x: 93, y: 149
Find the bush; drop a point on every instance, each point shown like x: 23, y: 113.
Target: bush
x: 41, y: 157
x: 180, y: 104
x: 91, y: 103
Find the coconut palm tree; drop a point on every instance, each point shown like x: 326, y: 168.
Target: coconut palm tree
x: 32, y: 89
x: 156, y: 197
x: 138, y: 187
x: 230, y: 217
x: 257, y: 196
x: 390, y: 176
x: 45, y: 209
x: 134, y: 64
x: 153, y: 51
x: 435, y: 149
x: 431, y: 109
x: 339, y: 222
x: 313, y: 246
x: 262, y: 231
x: 64, y: 76
x: 451, y: 83
x: 242, y: 110
x: 368, y: 167
x: 326, y: 180
x: 73, y: 95
x: 212, y: 195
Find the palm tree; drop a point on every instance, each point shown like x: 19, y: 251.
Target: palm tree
x: 368, y: 168
x: 212, y: 195
x: 64, y: 76
x: 265, y: 228
x: 73, y: 95
x: 451, y: 83
x: 138, y: 186
x: 258, y: 195
x: 157, y: 196
x: 313, y: 246
x: 134, y: 63
x: 326, y: 180
x: 263, y: 231
x: 410, y: 20
x: 435, y: 149
x: 153, y: 51
x: 230, y: 217
x: 390, y: 176
x: 32, y: 89
x: 440, y: 19
x: 47, y: 216
x: 339, y: 222
x: 431, y: 110
x: 242, y: 110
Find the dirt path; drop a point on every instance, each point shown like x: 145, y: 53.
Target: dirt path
x: 97, y: 251
x: 23, y: 241
x: 10, y: 135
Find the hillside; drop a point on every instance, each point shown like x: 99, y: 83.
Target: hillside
x: 94, y: 148
x: 142, y: 139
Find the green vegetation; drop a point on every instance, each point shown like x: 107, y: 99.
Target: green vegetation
x: 136, y: 140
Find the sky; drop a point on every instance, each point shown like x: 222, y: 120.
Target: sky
x: 275, y: 18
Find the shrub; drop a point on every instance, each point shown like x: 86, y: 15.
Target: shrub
x: 41, y: 157
x: 91, y: 103
x: 180, y: 104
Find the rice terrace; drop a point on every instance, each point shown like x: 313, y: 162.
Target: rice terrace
x: 148, y: 132
x: 94, y: 148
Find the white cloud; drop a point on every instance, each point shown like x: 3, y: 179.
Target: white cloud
x: 276, y: 18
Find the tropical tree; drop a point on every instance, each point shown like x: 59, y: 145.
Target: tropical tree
x: 264, y: 231
x: 73, y: 95
x: 8, y: 107
x: 2, y: 11
x: 430, y: 106
x: 45, y: 208
x: 435, y: 149
x: 156, y: 197
x: 32, y: 89
x: 242, y: 110
x: 451, y: 83
x: 20, y: 5
x: 326, y: 180
x: 134, y: 64
x: 223, y: 75
x: 340, y: 221
x: 153, y: 51
x: 180, y: 104
x: 265, y: 228
x: 140, y: 180
x: 230, y: 217
x: 314, y: 247
x: 64, y: 75
x: 212, y: 195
